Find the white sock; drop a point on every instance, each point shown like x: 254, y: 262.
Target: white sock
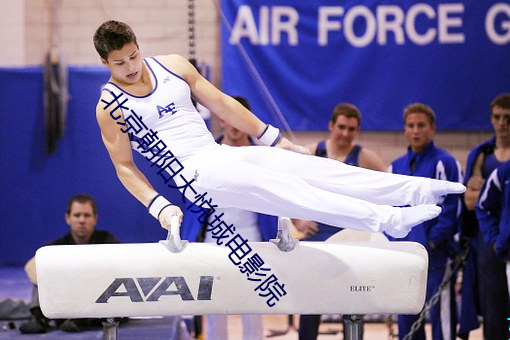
x: 442, y: 188
x: 412, y: 216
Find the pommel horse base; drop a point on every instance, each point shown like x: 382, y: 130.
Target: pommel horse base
x: 344, y: 275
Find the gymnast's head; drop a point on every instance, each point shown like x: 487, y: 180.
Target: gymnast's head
x: 113, y: 35
x: 81, y: 216
x: 347, y: 110
x: 500, y: 115
x: 116, y: 44
x: 344, y: 125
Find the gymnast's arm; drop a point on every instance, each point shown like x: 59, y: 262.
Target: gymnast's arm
x: 119, y: 148
x: 224, y: 106
x: 368, y: 159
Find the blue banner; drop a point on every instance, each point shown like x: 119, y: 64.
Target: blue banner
x: 295, y: 60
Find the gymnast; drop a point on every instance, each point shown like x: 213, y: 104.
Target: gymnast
x: 148, y: 101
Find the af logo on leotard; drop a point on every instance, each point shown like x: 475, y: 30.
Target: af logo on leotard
x: 170, y: 108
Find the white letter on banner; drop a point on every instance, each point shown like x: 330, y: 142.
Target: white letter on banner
x: 412, y: 13
x: 350, y: 17
x: 244, y: 26
x: 445, y: 22
x: 325, y: 25
x: 264, y: 25
x: 385, y: 25
x: 278, y: 25
x: 490, y: 18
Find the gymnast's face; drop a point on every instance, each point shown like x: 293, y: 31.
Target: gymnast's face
x: 82, y: 221
x: 344, y: 130
x: 419, y: 131
x: 125, y: 64
x: 233, y: 136
x: 500, y: 118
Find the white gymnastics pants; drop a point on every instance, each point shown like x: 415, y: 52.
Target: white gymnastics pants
x: 278, y: 182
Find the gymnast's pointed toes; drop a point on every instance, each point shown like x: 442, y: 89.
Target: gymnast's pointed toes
x: 411, y: 217
x: 442, y: 188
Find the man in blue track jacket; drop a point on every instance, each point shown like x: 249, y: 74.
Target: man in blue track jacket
x: 493, y: 214
x: 424, y: 159
x: 493, y: 211
x: 484, y: 277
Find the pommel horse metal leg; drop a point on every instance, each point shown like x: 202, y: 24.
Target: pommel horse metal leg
x: 353, y: 327
x: 110, y: 329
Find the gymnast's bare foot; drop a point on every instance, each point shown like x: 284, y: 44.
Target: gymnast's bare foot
x: 412, y: 216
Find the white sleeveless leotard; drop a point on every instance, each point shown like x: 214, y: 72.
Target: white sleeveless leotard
x: 169, y: 111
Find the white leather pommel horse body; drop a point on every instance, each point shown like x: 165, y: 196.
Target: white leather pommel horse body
x: 333, y: 277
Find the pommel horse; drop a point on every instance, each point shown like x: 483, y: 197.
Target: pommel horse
x: 349, y: 275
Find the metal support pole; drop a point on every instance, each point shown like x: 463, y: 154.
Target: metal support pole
x: 191, y: 30
x: 110, y: 329
x: 353, y: 327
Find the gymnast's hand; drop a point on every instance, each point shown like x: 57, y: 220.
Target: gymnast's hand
x: 286, y: 144
x: 166, y: 215
x: 308, y: 228
x: 475, y: 183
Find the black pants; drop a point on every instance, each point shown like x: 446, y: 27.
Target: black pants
x: 309, y: 327
x: 493, y: 290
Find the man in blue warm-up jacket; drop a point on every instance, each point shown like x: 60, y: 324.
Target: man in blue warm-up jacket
x: 493, y: 211
x: 424, y: 159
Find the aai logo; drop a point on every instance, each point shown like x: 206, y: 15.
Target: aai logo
x: 152, y: 288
